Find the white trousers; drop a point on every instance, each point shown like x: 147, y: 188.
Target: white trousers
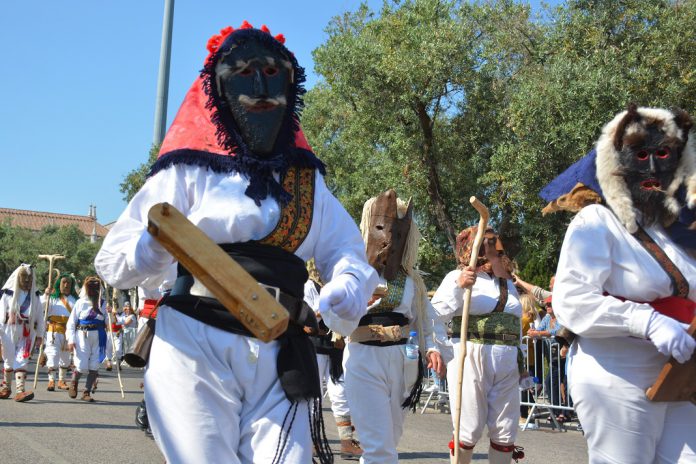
x: 607, y: 381
x: 378, y: 380
x: 490, y: 392
x: 118, y: 340
x: 86, y: 350
x: 56, y: 350
x: 214, y: 397
x: 337, y: 391
x: 12, y: 353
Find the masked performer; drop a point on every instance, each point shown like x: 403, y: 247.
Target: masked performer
x: 329, y: 347
x: 61, y: 302
x: 490, y: 392
x: 381, y: 380
x: 236, y: 164
x: 86, y: 333
x: 21, y: 322
x: 625, y: 285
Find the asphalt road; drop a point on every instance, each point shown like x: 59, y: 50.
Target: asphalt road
x: 55, y: 429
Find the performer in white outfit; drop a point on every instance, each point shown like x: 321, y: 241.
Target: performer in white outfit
x: 236, y: 164
x: 329, y: 347
x: 114, y: 344
x: 625, y: 285
x: 86, y: 333
x: 490, y: 389
x: 21, y: 325
x: 382, y: 382
x: 61, y: 302
x: 130, y: 327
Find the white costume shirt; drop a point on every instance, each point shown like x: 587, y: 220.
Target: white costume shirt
x: 599, y: 255
x: 448, y: 300
x: 56, y: 306
x: 216, y: 203
x: 80, y: 311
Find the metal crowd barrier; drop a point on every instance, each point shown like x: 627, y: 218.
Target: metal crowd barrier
x: 437, y: 391
x: 548, y: 397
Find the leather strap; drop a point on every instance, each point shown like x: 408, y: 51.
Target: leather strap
x: 680, y: 286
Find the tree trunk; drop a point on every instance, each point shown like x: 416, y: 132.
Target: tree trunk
x: 442, y: 215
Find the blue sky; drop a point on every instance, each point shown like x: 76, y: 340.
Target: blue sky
x: 79, y: 80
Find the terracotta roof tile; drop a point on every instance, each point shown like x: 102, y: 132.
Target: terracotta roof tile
x: 37, y: 220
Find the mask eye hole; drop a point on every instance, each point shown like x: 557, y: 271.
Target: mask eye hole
x: 642, y: 155
x: 246, y: 72
x: 270, y: 70
x: 663, y: 152
x: 379, y: 227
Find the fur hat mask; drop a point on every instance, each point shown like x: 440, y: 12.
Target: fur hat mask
x: 643, y: 156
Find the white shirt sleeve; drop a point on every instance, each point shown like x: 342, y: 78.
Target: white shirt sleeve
x: 72, y: 323
x: 118, y: 262
x: 584, y: 266
x: 341, y: 250
x: 448, y: 299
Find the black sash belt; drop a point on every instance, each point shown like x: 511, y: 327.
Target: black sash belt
x: 296, y: 363
x: 385, y: 320
x: 267, y: 264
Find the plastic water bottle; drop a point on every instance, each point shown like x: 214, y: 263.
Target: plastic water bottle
x: 412, y: 345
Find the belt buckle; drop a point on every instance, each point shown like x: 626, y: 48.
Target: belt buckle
x: 272, y: 290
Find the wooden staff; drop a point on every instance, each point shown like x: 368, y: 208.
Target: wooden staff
x: 113, y: 340
x: 483, y: 222
x: 50, y: 259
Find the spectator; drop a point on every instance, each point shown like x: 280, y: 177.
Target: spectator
x: 539, y: 293
x: 547, y: 330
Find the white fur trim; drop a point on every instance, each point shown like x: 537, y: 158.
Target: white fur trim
x: 614, y: 188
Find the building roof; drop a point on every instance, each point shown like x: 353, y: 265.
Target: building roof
x: 37, y: 220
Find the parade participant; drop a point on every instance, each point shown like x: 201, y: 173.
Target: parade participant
x: 236, y: 164
x: 61, y: 302
x: 625, y: 284
x: 86, y: 334
x: 492, y: 367
x: 130, y: 327
x: 114, y: 340
x: 382, y: 381
x: 21, y: 323
x: 329, y: 347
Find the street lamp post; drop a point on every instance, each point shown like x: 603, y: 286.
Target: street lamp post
x: 163, y: 78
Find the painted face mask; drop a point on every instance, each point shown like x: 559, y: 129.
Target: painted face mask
x: 649, y: 161
x: 253, y: 81
x: 387, y: 234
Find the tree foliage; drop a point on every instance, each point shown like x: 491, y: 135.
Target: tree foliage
x: 442, y: 100
x: 19, y: 245
x: 135, y: 179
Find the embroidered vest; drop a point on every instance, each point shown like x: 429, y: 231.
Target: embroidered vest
x: 492, y: 328
x: 395, y: 293
x: 295, y: 217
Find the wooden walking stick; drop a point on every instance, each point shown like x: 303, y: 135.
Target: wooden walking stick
x: 113, y: 341
x: 483, y: 223
x: 50, y: 259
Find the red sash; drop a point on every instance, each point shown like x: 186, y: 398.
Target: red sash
x: 681, y: 309
x: 149, y: 309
